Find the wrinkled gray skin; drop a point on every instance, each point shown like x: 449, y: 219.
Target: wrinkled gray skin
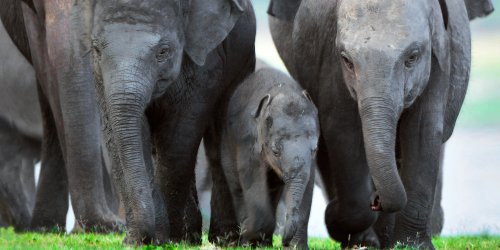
x: 269, y: 144
x: 21, y: 139
x: 71, y: 158
x: 162, y: 71
x: 388, y: 99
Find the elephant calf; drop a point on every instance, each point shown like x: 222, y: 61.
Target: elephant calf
x: 269, y: 142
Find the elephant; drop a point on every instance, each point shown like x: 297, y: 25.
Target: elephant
x: 20, y: 143
x: 162, y: 70
x: 388, y: 99
x: 269, y: 141
x: 71, y: 152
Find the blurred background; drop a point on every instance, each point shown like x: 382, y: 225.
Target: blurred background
x: 471, y: 192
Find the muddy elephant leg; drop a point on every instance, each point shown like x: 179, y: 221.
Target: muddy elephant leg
x: 348, y: 215
x: 51, y: 205
x: 421, y: 136
x: 224, y: 226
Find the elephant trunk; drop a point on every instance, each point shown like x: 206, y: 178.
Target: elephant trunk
x: 379, y: 118
x: 295, y: 189
x: 126, y: 98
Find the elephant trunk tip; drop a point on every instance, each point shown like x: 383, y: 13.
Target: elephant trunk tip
x: 389, y: 205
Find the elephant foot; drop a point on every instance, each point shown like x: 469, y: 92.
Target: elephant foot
x: 414, y: 242
x: 102, y: 224
x: 47, y: 226
x: 229, y: 239
x: 263, y: 243
x: 366, y: 238
x: 140, y: 241
x: 192, y: 239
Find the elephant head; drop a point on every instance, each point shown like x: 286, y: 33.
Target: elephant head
x: 288, y: 131
x: 386, y: 49
x: 139, y: 48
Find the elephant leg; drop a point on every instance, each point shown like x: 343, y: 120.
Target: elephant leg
x: 259, y: 223
x: 437, y: 215
x: 227, y: 205
x: 384, y: 228
x: 17, y: 180
x: 193, y: 222
x: 51, y: 205
x: 110, y: 192
x: 276, y: 185
x: 421, y: 136
x: 68, y: 86
x: 348, y: 215
x: 177, y: 140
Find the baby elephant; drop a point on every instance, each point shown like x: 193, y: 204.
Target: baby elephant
x: 269, y: 144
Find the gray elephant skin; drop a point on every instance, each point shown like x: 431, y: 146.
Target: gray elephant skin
x: 71, y: 157
x: 163, y: 71
x: 20, y: 142
x: 21, y: 139
x: 388, y: 78
x: 269, y: 144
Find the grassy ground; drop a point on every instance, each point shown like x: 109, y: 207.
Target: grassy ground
x: 11, y: 240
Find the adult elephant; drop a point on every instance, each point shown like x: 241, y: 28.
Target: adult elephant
x: 163, y: 72
x: 71, y: 159
x: 389, y: 78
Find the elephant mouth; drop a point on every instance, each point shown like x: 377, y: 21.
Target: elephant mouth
x: 376, y: 205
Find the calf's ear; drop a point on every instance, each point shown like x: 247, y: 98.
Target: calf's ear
x: 478, y: 8
x: 208, y: 22
x: 284, y: 9
x: 439, y: 35
x: 264, y: 102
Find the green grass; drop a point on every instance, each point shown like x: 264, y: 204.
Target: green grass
x: 11, y: 240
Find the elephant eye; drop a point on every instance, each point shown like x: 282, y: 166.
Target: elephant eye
x: 163, y: 53
x: 347, y: 62
x: 412, y: 59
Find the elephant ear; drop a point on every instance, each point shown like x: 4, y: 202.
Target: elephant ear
x: 264, y: 102
x: 478, y: 8
x: 208, y: 22
x: 284, y: 9
x: 439, y: 34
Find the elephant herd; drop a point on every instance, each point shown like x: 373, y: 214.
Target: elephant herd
x: 114, y: 98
